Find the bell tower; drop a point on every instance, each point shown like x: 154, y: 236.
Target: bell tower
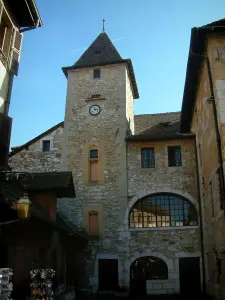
x: 98, y: 117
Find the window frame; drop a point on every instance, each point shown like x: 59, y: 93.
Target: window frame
x: 43, y: 142
x: 173, y: 206
x: 8, y: 34
x: 148, y: 157
x: 97, y: 72
x: 173, y: 163
x: 92, y: 160
x: 91, y: 214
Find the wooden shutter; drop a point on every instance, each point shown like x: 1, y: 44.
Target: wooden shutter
x: 93, y: 170
x: 15, y: 55
x: 93, y: 223
x: 5, y: 133
x: 1, y: 9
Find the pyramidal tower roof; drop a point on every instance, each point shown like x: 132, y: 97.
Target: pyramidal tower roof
x: 102, y: 52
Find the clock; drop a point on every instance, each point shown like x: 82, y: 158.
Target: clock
x: 95, y: 110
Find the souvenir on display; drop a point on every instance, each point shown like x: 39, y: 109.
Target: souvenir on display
x: 6, y: 285
x: 41, y: 285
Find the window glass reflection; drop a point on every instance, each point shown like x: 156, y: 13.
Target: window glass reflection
x: 162, y: 210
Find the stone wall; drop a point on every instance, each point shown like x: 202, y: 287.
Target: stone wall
x: 166, y: 286
x: 162, y: 177
x: 33, y: 159
x: 204, y: 127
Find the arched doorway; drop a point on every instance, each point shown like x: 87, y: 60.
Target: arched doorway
x: 146, y: 268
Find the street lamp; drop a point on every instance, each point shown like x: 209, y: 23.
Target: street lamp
x: 23, y: 206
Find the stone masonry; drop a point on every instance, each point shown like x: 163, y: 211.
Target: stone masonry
x: 121, y: 180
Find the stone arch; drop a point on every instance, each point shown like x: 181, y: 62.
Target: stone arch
x: 155, y: 254
x: 143, y: 193
x: 136, y: 255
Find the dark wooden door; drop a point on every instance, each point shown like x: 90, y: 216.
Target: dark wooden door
x: 108, y: 274
x: 190, y: 282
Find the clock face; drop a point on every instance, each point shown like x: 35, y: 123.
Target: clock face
x: 95, y: 110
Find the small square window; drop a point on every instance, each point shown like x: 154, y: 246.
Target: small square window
x: 46, y: 146
x: 174, y: 156
x: 93, y: 154
x: 147, y: 158
x: 96, y: 73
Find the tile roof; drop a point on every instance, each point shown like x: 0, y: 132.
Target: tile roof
x: 59, y: 182
x: 160, y: 131
x: 143, y: 122
x: 102, y: 52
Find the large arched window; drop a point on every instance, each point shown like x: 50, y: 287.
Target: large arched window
x: 162, y: 210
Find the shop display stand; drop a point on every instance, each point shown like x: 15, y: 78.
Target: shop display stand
x: 6, y: 285
x: 41, y: 285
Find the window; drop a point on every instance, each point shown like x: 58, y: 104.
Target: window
x: 96, y: 73
x: 211, y: 196
x: 95, y: 96
x: 220, y: 179
x: 162, y: 210
x: 174, y: 156
x: 93, y: 154
x: 93, y: 165
x: 200, y: 154
x: 5, y: 33
x: 46, y: 146
x: 147, y: 158
x: 93, y: 223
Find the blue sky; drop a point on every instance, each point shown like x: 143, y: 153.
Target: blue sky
x: 154, y: 34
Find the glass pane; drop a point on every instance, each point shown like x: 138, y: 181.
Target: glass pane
x: 97, y: 73
x: 94, y: 153
x: 147, y: 158
x: 164, y: 210
x: 46, y: 145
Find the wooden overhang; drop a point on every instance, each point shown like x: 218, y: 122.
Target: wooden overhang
x: 25, y: 12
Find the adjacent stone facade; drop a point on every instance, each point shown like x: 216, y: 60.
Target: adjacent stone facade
x: 204, y: 126
x: 33, y: 159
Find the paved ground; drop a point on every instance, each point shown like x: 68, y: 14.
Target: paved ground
x: 153, y: 297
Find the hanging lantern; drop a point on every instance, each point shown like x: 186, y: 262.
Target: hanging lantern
x: 23, y: 206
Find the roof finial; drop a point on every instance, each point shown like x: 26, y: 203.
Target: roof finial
x: 103, y: 27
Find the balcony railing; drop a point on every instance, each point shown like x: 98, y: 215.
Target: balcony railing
x: 5, y: 134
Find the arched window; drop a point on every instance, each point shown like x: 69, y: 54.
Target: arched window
x: 149, y: 268
x: 162, y: 210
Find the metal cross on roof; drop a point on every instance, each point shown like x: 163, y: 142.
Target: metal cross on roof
x: 103, y: 27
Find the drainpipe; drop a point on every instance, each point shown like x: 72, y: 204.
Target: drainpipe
x: 218, y: 139
x: 201, y: 223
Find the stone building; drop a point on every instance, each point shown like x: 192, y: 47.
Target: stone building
x: 135, y: 178
x: 203, y: 113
